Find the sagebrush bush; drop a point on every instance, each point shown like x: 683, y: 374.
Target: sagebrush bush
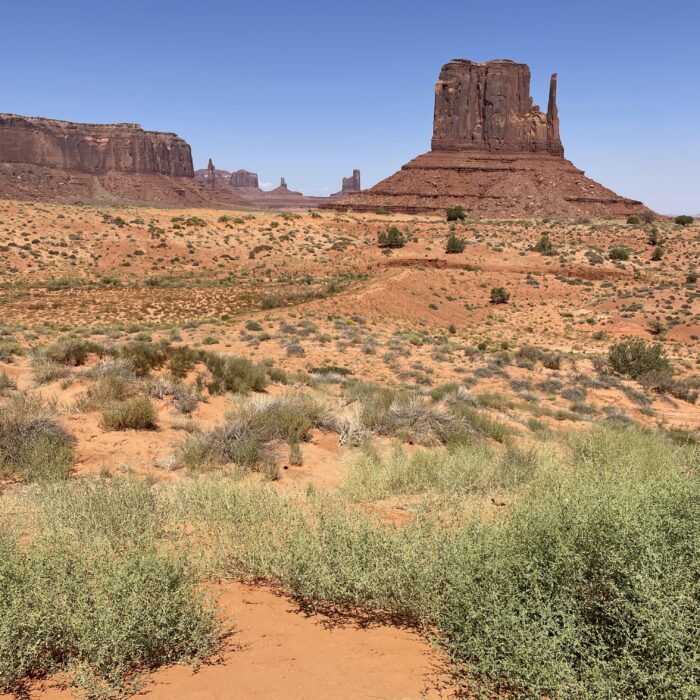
x: 107, y: 389
x: 137, y: 413
x: 244, y: 440
x: 235, y: 374
x: 144, y: 356
x: 619, y: 253
x: 72, y: 351
x: 33, y: 444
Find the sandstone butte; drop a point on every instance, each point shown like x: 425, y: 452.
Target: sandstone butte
x: 493, y: 152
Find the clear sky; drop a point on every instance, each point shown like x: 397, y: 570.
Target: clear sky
x: 311, y: 90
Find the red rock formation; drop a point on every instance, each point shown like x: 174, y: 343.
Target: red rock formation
x: 493, y: 153
x: 211, y: 175
x: 244, y: 179
x: 352, y: 183
x: 92, y: 148
x: 487, y: 107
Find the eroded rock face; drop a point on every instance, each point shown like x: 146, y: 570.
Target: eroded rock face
x: 352, y: 183
x: 92, y: 148
x: 244, y: 178
x: 488, y: 107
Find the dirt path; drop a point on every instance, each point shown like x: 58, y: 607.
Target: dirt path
x: 277, y: 652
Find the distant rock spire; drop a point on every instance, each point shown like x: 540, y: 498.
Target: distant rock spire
x: 553, y: 112
x: 211, y: 175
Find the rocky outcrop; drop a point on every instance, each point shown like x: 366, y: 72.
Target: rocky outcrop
x: 352, y: 183
x: 93, y: 148
x: 487, y: 107
x: 211, y: 175
x: 282, y: 188
x: 244, y: 179
x: 494, y: 153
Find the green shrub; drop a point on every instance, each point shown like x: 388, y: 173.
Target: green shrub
x: 647, y: 216
x: 634, y: 357
x: 684, y: 220
x: 455, y: 244
x: 235, y: 374
x: 499, y: 296
x: 619, y: 253
x: 133, y: 414
x: 72, y: 352
x: 656, y: 327
x: 33, y: 445
x: 654, y: 238
x: 456, y: 214
x: 632, y: 220
x: 391, y: 238
x: 657, y: 253
x: 182, y: 359
x: 544, y: 245
x: 144, y: 356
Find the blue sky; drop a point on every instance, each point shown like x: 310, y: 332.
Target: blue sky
x: 311, y: 90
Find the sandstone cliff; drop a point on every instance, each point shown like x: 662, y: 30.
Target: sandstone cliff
x: 92, y: 148
x: 487, y: 107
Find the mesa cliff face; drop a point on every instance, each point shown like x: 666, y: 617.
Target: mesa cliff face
x: 92, y: 148
x: 244, y: 179
x: 494, y: 153
x: 487, y: 107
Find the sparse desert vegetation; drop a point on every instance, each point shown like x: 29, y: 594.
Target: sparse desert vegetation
x: 498, y: 452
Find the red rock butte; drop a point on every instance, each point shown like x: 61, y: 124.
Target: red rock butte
x: 494, y: 153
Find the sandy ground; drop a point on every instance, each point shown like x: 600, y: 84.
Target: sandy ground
x: 276, y: 651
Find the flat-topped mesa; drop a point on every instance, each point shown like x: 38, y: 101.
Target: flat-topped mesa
x: 244, y: 179
x: 352, y: 183
x: 488, y: 107
x: 93, y: 148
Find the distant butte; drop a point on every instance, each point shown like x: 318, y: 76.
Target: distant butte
x: 494, y: 153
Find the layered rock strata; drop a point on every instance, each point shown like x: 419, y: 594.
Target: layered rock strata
x: 93, y: 148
